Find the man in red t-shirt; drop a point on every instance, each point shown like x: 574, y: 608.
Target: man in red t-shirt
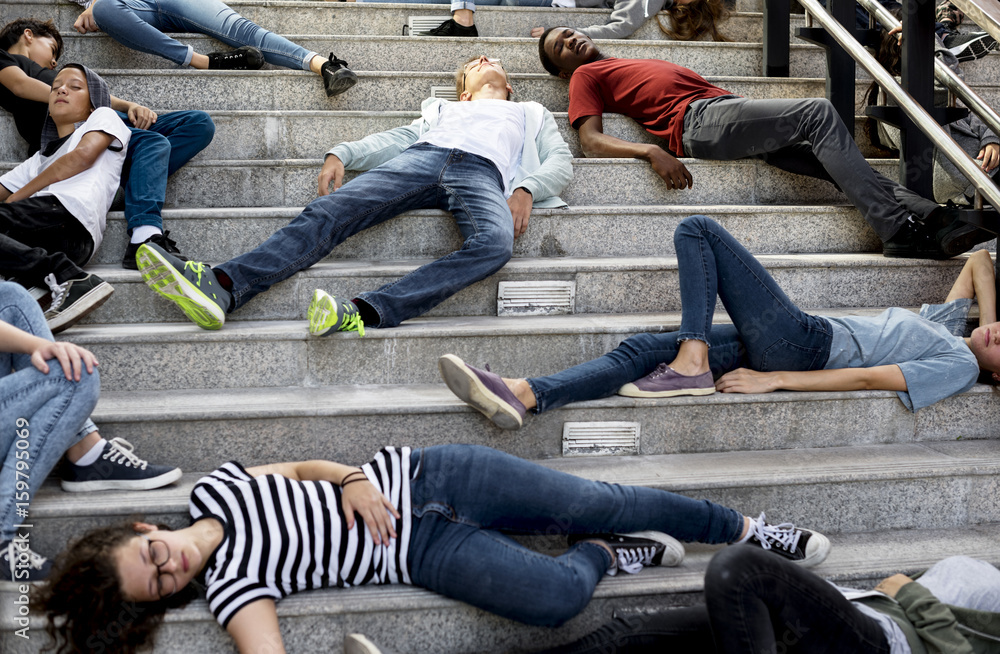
x: 698, y: 119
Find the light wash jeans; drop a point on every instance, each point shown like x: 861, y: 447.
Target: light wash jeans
x: 423, y: 176
x: 470, y: 4
x: 768, y: 332
x: 464, y: 496
x: 56, y: 410
x: 140, y: 25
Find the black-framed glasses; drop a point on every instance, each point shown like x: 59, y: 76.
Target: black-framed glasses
x: 465, y: 74
x: 159, y: 554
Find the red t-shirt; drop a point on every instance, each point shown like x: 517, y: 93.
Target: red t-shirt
x: 652, y: 92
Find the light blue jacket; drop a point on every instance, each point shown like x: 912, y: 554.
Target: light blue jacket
x: 546, y: 162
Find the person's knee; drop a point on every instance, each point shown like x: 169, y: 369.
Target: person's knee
x: 729, y: 565
x: 693, y: 225
x: 202, y: 125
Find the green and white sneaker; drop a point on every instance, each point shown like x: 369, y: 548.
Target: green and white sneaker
x: 327, y: 314
x: 191, y: 285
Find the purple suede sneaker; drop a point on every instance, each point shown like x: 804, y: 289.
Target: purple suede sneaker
x: 483, y: 390
x: 667, y: 382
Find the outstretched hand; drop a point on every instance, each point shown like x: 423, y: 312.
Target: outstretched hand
x: 374, y: 508
x: 72, y: 358
x: 670, y: 169
x: 333, y: 171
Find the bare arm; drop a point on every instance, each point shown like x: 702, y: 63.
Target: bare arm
x: 140, y: 116
x: 744, y: 380
x: 20, y: 84
x: 255, y: 628
x: 977, y: 280
x: 74, y: 162
x: 4, y: 193
x: 596, y: 143
x: 71, y: 357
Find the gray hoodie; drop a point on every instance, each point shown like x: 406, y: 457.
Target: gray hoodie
x: 627, y: 16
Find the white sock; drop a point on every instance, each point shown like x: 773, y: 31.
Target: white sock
x: 742, y: 540
x: 92, y: 454
x: 142, y: 233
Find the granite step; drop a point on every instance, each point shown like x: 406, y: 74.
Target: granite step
x: 318, y: 621
x: 348, y: 422
x: 280, y: 353
x: 605, y: 231
x: 303, y: 17
x: 835, y: 490
x: 292, y: 183
x: 519, y: 55
x: 810, y: 280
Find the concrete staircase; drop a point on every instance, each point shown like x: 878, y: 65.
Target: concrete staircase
x: 894, y: 490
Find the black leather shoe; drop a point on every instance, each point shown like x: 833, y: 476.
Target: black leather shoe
x: 246, y: 57
x: 163, y: 240
x: 451, y: 28
x: 337, y: 77
x: 914, y: 240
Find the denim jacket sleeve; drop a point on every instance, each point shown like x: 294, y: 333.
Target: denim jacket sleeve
x: 935, y: 623
x: 376, y: 149
x: 554, y: 168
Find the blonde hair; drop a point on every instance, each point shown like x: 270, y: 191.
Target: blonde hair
x: 460, y: 76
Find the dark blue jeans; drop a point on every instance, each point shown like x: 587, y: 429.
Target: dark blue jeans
x: 156, y: 153
x: 768, y: 332
x: 422, y: 177
x: 464, y: 496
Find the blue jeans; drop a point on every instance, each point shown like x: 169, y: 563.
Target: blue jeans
x: 768, y: 332
x: 464, y: 496
x: 53, y: 411
x: 422, y: 177
x: 140, y: 25
x: 471, y: 4
x: 156, y: 153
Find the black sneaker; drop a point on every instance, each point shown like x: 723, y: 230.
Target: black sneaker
x: 168, y: 244
x: 243, y: 58
x: 28, y: 565
x: 973, y: 45
x: 958, y: 237
x: 118, y: 468
x: 74, y: 299
x: 635, y: 551
x: 807, y: 548
x: 451, y: 28
x: 337, y: 77
x: 914, y: 240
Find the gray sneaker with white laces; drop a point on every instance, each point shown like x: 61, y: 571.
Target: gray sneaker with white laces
x: 807, y: 548
x: 19, y: 564
x: 118, y: 468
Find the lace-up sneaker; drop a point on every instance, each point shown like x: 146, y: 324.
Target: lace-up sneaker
x: 664, y: 381
x: 337, y: 77
x: 327, y: 314
x: 451, y: 28
x: 74, y: 299
x: 970, y: 46
x: 243, y: 58
x: 21, y: 565
x: 190, y: 285
x: 168, y: 244
x: 483, y: 390
x: 807, y: 548
x: 635, y: 551
x: 118, y: 468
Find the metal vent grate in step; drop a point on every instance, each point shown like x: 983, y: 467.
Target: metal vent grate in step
x: 420, y: 25
x: 600, y: 438
x: 444, y: 93
x: 535, y: 298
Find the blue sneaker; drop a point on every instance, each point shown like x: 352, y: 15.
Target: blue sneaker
x: 191, y: 285
x: 28, y: 565
x: 118, y: 468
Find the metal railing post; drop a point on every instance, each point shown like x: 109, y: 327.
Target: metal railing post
x: 916, y: 158
x: 776, y: 42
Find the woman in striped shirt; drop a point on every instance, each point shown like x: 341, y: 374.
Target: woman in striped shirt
x: 429, y: 517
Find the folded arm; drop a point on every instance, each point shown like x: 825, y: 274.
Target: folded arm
x: 978, y: 281
x: 74, y: 162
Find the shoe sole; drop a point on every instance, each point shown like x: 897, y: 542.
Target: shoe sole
x: 321, y: 307
x: 170, y: 283
x: 123, y: 484
x: 342, y: 80
x: 77, y: 311
x: 631, y: 390
x: 467, y: 387
x: 963, y: 239
x: 973, y: 49
x: 673, y: 553
x: 358, y: 644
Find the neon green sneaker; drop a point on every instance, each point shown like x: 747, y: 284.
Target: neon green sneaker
x: 189, y: 284
x: 327, y: 314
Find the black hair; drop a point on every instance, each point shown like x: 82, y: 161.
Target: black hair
x: 547, y: 62
x: 12, y: 31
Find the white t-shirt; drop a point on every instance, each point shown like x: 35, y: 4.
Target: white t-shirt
x: 493, y: 129
x: 87, y: 195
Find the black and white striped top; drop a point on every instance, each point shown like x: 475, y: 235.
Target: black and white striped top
x: 284, y: 536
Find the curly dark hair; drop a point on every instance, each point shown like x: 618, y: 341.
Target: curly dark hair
x: 13, y: 30
x: 692, y: 21
x: 84, y: 604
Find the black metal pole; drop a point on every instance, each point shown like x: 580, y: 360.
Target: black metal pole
x: 916, y: 150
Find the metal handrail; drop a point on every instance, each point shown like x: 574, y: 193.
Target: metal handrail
x: 910, y: 107
x: 945, y: 75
